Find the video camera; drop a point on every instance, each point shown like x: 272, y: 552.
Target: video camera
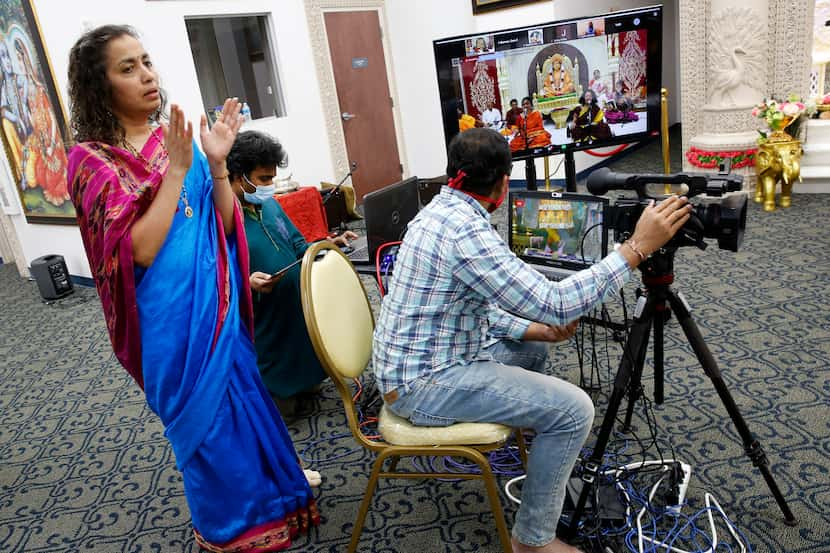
x: 724, y: 219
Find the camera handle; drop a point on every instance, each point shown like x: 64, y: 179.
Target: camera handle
x: 631, y: 367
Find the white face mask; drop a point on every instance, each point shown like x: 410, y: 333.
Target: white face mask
x: 261, y: 195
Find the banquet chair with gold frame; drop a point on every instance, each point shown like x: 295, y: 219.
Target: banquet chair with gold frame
x: 340, y: 323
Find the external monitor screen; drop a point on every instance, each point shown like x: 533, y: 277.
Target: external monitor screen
x: 556, y: 86
x: 559, y: 230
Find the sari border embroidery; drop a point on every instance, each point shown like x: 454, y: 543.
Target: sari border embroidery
x: 268, y: 537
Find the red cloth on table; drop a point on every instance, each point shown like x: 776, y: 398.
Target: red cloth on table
x: 305, y: 209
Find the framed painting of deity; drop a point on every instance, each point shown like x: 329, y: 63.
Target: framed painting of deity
x: 482, y: 6
x: 34, y: 124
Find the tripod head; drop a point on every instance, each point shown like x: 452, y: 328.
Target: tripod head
x: 658, y: 270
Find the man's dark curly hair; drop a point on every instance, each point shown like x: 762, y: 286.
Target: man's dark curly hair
x: 483, y: 154
x: 253, y: 149
x: 90, y: 92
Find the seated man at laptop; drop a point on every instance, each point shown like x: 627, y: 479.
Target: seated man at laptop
x: 285, y: 357
x: 462, y: 332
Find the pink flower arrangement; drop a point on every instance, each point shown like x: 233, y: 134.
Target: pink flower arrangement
x: 778, y: 114
x: 822, y: 100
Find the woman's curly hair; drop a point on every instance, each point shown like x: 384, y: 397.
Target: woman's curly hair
x: 90, y: 92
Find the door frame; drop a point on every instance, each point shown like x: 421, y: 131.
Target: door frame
x: 315, y: 10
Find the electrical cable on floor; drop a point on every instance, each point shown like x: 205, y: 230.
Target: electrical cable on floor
x: 647, y: 527
x: 68, y: 302
x: 643, y: 519
x: 363, y: 423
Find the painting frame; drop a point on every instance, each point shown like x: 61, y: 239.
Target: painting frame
x: 33, y: 119
x: 486, y: 6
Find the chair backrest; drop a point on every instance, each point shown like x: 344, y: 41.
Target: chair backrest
x: 339, y: 319
x: 305, y: 209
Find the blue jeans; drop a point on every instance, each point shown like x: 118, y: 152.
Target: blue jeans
x: 513, y: 391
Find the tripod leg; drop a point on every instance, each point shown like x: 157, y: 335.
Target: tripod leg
x: 635, y: 385
x: 659, y: 321
x: 590, y: 468
x: 752, y: 446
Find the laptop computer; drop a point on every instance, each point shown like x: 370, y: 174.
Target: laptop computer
x: 387, y: 212
x: 557, y: 233
x: 429, y: 188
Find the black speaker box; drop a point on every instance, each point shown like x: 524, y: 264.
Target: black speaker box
x: 52, y: 277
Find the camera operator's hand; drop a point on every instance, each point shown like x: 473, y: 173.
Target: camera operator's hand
x: 657, y: 225
x: 538, y: 332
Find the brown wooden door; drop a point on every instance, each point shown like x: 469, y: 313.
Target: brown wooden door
x: 365, y: 102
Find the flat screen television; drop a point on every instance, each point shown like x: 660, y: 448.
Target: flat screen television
x: 534, y: 84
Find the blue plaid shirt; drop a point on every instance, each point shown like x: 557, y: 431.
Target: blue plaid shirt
x: 457, y: 286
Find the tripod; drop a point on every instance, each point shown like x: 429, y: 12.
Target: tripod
x: 651, y: 311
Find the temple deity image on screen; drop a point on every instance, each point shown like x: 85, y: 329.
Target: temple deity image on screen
x: 578, y: 83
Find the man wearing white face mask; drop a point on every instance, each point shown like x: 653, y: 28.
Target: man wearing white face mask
x: 285, y: 356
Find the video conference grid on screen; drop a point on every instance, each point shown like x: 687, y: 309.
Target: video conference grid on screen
x: 588, y: 82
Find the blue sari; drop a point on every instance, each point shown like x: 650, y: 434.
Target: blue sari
x: 243, y: 483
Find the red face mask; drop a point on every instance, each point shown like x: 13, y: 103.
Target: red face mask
x: 456, y: 181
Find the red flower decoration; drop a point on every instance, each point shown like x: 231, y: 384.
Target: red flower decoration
x: 710, y: 160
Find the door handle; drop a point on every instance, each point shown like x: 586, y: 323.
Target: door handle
x: 347, y: 116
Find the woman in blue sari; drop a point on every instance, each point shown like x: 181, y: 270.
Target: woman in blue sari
x: 166, y: 245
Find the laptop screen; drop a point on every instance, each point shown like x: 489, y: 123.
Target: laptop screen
x: 558, y: 229
x: 388, y: 211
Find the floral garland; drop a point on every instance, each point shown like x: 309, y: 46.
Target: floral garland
x: 711, y: 160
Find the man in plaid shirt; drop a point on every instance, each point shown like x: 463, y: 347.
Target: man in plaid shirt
x: 463, y: 332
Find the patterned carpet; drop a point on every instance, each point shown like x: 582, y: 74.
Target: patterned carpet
x: 84, y: 465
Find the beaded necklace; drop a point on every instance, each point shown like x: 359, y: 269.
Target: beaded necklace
x: 188, y: 211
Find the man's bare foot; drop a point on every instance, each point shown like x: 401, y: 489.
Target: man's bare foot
x: 556, y: 546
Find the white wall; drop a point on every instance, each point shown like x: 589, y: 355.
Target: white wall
x: 162, y: 28
x: 410, y: 29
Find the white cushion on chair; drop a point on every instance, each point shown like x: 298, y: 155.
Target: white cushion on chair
x: 399, y: 431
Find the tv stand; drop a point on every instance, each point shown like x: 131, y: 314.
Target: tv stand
x: 570, y: 171
x: 530, y: 174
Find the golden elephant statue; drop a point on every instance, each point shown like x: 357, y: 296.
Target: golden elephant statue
x: 777, y: 161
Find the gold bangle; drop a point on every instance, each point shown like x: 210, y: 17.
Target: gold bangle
x: 632, y: 245
x: 226, y: 175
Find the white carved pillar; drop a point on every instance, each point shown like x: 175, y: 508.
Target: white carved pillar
x: 791, y: 42
x: 734, y: 54
x: 12, y: 246
x: 12, y: 242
